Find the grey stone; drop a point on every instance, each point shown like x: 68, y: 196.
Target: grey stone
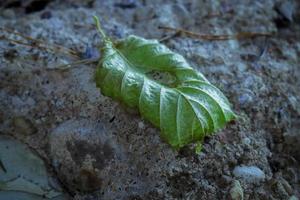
x: 250, y: 174
x: 23, y: 174
x: 245, y: 99
x: 81, y: 150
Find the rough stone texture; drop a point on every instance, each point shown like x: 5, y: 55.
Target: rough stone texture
x: 60, y: 113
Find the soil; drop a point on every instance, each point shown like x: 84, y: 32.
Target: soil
x: 98, y: 149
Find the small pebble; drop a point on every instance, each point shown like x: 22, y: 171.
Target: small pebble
x: 246, y: 141
x: 245, y: 99
x: 251, y: 174
x: 236, y: 192
x: 141, y: 125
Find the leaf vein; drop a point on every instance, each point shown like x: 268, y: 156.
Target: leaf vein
x: 216, y: 101
x: 193, y: 109
x: 177, y: 118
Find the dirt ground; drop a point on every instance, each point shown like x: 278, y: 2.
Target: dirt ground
x: 92, y: 147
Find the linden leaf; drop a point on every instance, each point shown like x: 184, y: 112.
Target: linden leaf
x: 183, y: 104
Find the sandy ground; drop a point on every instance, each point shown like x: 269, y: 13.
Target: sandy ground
x: 95, y: 148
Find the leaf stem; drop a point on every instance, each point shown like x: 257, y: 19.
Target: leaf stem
x: 99, y: 28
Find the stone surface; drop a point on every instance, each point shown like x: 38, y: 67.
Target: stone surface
x: 81, y: 150
x: 23, y: 175
x: 99, y: 149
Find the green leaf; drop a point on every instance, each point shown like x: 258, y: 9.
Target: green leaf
x: 183, y: 104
